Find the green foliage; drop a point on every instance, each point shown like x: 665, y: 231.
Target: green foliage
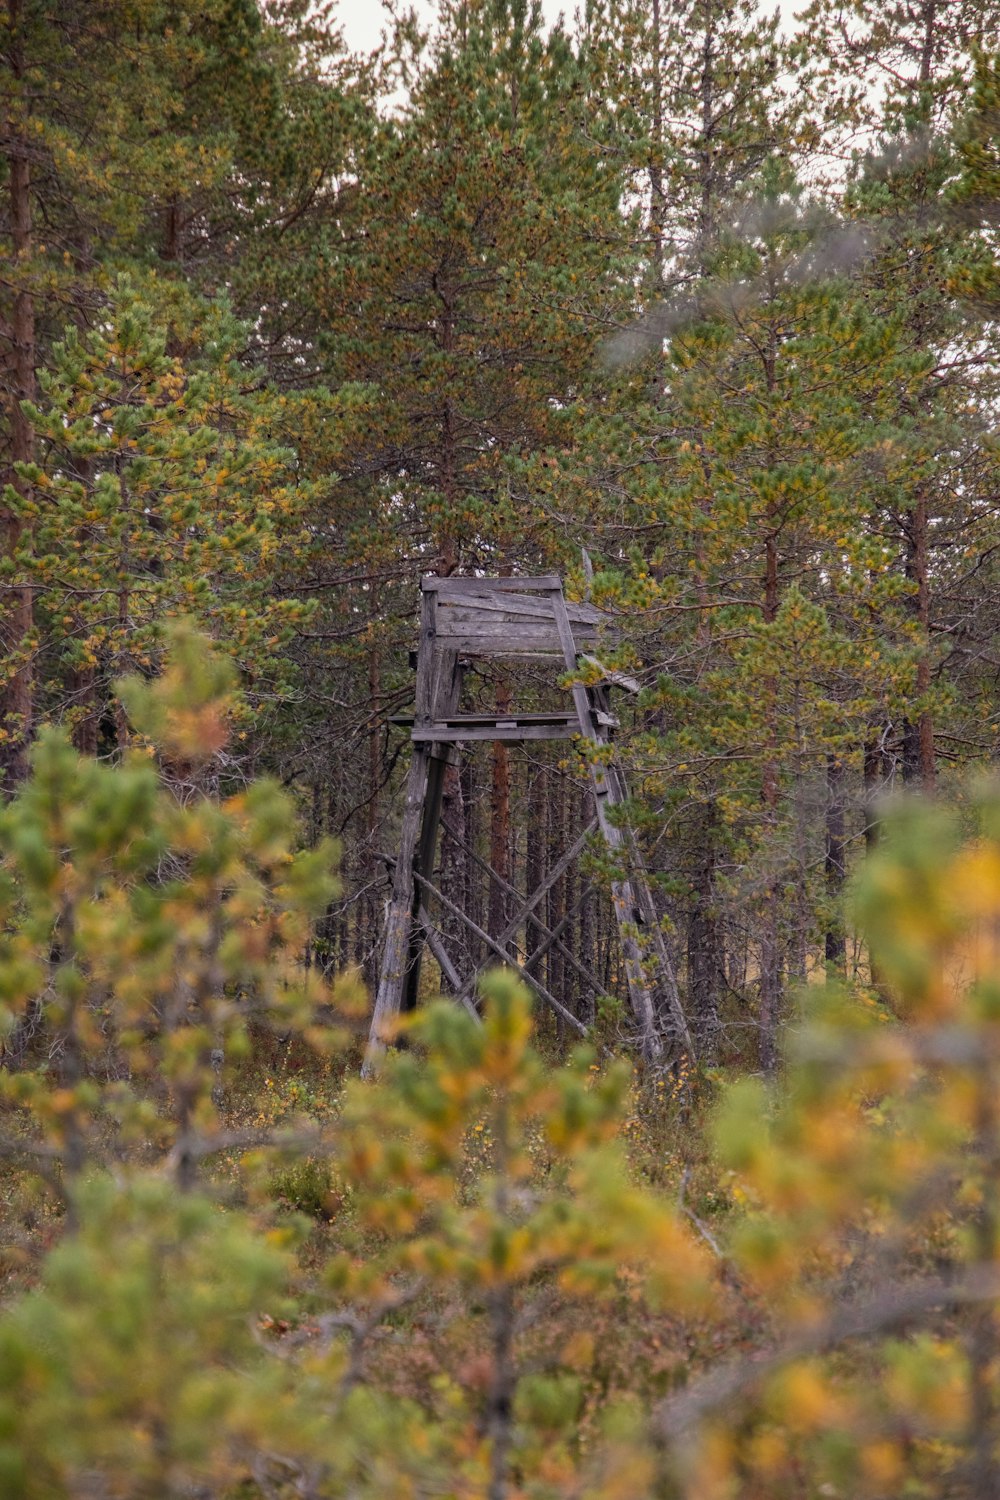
x: 306, y: 1186
x: 144, y: 930
x: 548, y: 1201
x: 270, y: 345
x: 463, y: 1081
x: 478, y: 1192
x: 160, y: 492
x: 869, y: 1184
x: 474, y: 287
x: 135, y: 1359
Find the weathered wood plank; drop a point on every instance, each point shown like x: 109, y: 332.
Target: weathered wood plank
x: 537, y: 607
x: 426, y: 664
x: 543, y: 584
x: 458, y: 721
x: 467, y: 621
x: 511, y: 734
x: 493, y: 626
x: 501, y: 641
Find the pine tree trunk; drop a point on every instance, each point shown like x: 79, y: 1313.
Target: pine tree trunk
x: 453, y: 857
x: 770, y: 987
x: 835, y: 865
x: 16, y: 693
x: 369, y: 870
x: 571, y: 996
x: 472, y: 905
x: 606, y: 957
x: 657, y: 193
x: 918, y: 733
x: 586, y: 946
x: 704, y: 967
x: 799, y: 911
x: 535, y: 866
x: 500, y: 821
x: 770, y: 948
x: 873, y: 767
x: 555, y: 905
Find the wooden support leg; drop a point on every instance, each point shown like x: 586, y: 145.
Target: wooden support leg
x: 666, y: 973
x: 395, y: 954
x: 439, y: 683
x: 426, y: 850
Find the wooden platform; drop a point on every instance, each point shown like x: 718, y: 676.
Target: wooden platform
x: 461, y: 727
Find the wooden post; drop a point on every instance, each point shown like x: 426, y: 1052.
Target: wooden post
x: 423, y: 865
x: 446, y: 687
x: 503, y: 618
x: 396, y: 953
x: 647, y: 908
x: 389, y: 996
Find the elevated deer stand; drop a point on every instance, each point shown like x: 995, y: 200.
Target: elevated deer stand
x: 512, y: 618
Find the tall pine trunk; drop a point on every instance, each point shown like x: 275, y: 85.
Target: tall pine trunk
x: 586, y: 946
x: 874, y: 759
x: 453, y: 856
x: 500, y: 821
x: 703, y: 946
x: 469, y: 772
x: 16, y: 692
x: 918, y: 732
x: 535, y: 852
x: 769, y: 1017
x: 556, y: 904
x: 835, y: 946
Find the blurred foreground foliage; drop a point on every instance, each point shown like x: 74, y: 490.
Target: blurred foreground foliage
x: 234, y: 1272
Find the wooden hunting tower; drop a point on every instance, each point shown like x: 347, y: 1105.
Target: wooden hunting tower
x: 463, y: 619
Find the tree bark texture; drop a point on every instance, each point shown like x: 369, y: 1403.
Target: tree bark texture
x: 16, y: 691
x: 703, y: 947
x: 835, y: 865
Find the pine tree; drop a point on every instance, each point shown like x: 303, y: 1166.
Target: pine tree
x: 472, y: 300
x: 468, y: 305
x: 704, y: 117
x: 159, y: 492
x: 911, y: 67
x: 149, y: 138
x: 147, y: 920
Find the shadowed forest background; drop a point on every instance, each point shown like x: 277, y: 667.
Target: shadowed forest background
x: 698, y: 311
